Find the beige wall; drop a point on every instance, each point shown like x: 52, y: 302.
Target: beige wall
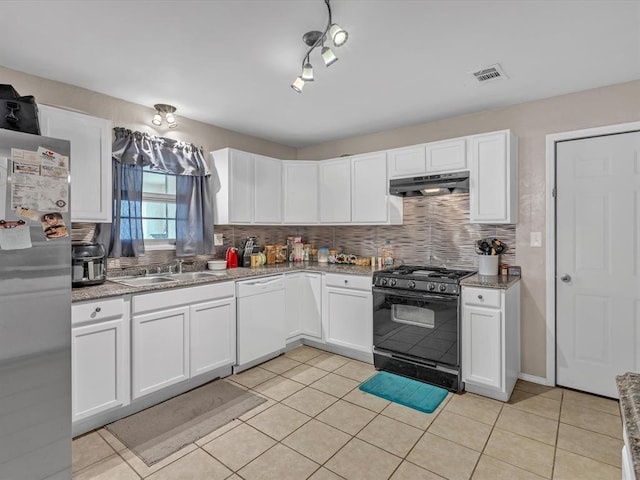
x: 137, y: 117
x: 531, y: 122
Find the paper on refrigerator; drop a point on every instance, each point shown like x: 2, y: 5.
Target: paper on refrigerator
x: 40, y: 180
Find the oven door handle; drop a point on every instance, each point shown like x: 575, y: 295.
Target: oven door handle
x: 417, y: 296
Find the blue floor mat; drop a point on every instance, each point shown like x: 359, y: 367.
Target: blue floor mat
x: 405, y: 391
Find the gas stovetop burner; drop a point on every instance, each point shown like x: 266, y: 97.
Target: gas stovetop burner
x: 421, y: 278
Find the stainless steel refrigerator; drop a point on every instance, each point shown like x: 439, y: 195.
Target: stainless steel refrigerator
x: 35, y: 308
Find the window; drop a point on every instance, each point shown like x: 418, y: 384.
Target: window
x: 158, y: 209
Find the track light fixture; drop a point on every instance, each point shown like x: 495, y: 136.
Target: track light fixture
x: 315, y: 39
x: 169, y: 115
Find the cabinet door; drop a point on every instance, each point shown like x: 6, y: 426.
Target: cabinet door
x: 369, y: 189
x: 311, y: 286
x: 241, y: 187
x: 447, y: 156
x: 407, y: 162
x: 212, y: 332
x: 349, y: 319
x: 293, y: 304
x: 99, y: 371
x: 268, y: 190
x: 89, y: 163
x: 482, y: 346
x: 160, y: 350
x: 335, y: 191
x: 300, y: 192
x: 493, y: 178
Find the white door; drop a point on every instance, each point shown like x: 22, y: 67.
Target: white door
x: 597, y: 261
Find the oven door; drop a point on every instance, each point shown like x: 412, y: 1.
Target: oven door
x: 417, y: 325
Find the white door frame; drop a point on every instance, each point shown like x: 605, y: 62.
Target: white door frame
x: 551, y: 141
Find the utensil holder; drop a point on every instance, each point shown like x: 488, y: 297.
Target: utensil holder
x: 488, y: 264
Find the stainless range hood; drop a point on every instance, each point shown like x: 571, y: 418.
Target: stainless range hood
x: 441, y: 184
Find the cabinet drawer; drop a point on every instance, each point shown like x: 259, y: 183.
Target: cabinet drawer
x: 357, y: 282
x: 97, y: 310
x: 485, y: 297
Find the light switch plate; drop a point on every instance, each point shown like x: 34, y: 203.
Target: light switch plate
x: 218, y: 239
x: 536, y: 239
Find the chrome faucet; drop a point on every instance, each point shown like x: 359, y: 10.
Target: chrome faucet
x: 179, y: 265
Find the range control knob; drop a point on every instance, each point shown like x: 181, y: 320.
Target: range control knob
x: 384, y: 281
x: 393, y: 282
x: 431, y: 286
x: 412, y: 284
x: 442, y: 287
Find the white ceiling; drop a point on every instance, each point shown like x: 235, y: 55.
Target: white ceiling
x: 230, y: 62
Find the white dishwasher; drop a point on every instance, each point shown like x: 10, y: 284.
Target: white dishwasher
x: 260, y: 320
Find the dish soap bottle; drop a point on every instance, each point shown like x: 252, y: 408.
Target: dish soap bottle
x: 387, y: 254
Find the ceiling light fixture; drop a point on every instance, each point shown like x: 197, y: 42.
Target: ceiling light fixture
x: 169, y: 115
x: 315, y: 39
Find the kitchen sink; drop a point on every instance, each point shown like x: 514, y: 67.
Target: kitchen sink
x: 174, y: 277
x: 143, y: 281
x: 196, y: 275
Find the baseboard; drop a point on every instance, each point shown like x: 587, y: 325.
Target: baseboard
x: 533, y: 379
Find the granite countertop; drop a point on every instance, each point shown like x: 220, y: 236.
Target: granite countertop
x: 629, y: 394
x: 490, y: 281
x: 112, y: 289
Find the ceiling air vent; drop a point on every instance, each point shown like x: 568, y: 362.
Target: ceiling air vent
x: 492, y: 73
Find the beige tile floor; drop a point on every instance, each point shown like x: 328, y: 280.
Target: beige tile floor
x: 316, y: 424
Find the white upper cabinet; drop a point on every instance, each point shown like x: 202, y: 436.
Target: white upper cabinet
x: 435, y: 157
x: 447, y: 156
x: 493, y: 180
x: 90, y: 162
x: 267, y: 190
x: 354, y: 190
x: 249, y: 188
x: 369, y: 189
x: 335, y: 190
x: 241, y: 175
x: 407, y: 161
x: 300, y: 192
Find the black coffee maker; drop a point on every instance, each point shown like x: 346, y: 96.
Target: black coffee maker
x: 89, y: 264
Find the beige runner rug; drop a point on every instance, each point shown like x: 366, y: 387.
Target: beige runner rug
x: 159, y: 431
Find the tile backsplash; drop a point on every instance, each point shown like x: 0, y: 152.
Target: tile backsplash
x: 436, y: 231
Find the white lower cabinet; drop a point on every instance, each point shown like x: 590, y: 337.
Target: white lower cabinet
x: 347, y: 313
x: 100, y: 356
x: 182, y: 335
x: 160, y: 349
x: 303, y: 293
x: 212, y: 334
x: 491, y: 340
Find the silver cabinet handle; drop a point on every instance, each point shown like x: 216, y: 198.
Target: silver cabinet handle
x: 566, y: 278
x: 98, y: 309
x: 479, y: 297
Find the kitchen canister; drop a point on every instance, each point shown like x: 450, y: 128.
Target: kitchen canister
x: 488, y: 264
x: 323, y: 255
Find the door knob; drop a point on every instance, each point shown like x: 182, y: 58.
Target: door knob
x: 566, y: 278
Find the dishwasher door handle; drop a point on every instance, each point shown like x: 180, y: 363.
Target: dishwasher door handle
x: 263, y: 282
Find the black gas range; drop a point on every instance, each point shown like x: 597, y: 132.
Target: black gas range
x: 421, y: 279
x: 416, y: 323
